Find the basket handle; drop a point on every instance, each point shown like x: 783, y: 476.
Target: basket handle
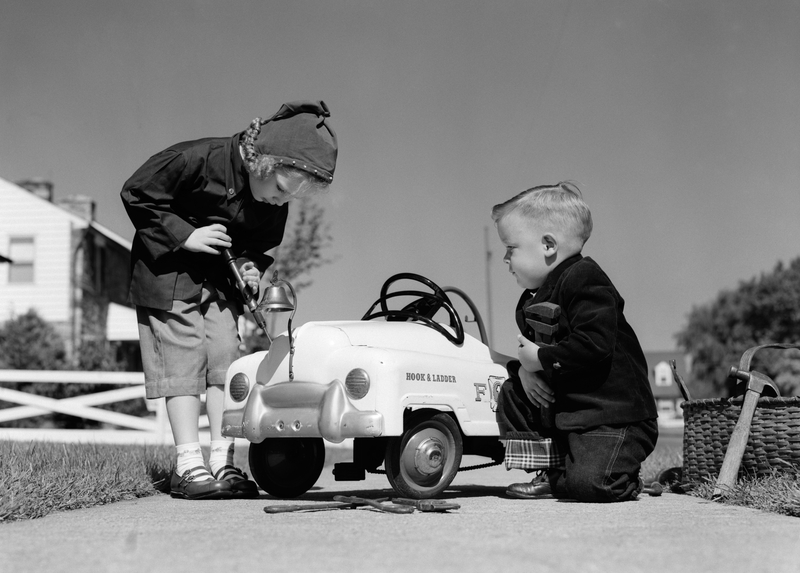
x: 744, y: 363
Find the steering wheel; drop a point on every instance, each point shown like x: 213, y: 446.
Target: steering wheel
x: 422, y: 309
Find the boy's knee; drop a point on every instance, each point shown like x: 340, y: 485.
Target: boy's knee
x: 507, y: 388
x: 593, y: 485
x: 513, y: 390
x: 583, y: 485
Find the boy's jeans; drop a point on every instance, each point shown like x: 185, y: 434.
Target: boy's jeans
x: 602, y: 464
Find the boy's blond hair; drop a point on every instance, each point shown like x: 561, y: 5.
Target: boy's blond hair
x: 560, y: 206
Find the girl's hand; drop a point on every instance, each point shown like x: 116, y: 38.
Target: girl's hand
x: 537, y: 390
x: 211, y: 239
x: 250, y: 276
x: 528, y: 353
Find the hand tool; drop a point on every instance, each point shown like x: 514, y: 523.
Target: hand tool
x: 427, y: 504
x: 654, y: 489
x: 247, y: 294
x: 543, y: 317
x: 756, y: 383
x: 318, y: 506
x: 387, y: 507
x: 679, y: 381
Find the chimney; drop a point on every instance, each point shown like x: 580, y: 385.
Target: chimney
x: 39, y: 187
x: 81, y: 205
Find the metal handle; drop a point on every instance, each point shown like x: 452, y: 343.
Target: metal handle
x: 744, y: 362
x: 247, y: 294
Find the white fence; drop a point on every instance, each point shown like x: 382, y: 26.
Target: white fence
x: 153, y: 429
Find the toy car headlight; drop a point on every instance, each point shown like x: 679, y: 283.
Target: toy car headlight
x: 357, y: 383
x: 239, y: 387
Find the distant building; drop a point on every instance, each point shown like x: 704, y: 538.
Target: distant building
x: 666, y: 392
x: 71, y: 270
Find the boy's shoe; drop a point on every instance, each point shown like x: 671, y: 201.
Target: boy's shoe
x: 539, y: 488
x: 240, y: 485
x: 186, y: 486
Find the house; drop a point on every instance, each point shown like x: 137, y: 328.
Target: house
x: 67, y: 267
x: 665, y: 390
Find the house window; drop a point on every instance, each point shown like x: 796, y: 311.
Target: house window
x: 663, y: 374
x: 20, y: 251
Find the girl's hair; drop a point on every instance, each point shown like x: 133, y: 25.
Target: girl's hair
x: 560, y: 205
x: 262, y: 166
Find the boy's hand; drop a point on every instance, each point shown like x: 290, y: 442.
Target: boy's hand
x: 537, y: 390
x: 211, y: 239
x: 528, y: 353
x: 250, y: 276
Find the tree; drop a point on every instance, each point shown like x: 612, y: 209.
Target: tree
x: 28, y: 342
x: 301, y: 251
x: 762, y: 310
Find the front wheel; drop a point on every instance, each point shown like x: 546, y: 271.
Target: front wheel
x: 424, y: 460
x: 287, y: 467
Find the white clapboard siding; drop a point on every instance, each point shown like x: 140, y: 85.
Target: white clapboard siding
x: 121, y: 323
x: 23, y: 214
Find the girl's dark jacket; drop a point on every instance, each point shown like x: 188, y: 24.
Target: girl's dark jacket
x: 190, y: 185
x: 595, y: 365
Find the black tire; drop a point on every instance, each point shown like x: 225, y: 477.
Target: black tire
x: 287, y: 467
x: 422, y: 462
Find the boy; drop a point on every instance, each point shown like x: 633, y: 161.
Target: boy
x: 188, y: 203
x: 593, y: 376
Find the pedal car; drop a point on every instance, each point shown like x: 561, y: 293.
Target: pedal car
x: 406, y: 383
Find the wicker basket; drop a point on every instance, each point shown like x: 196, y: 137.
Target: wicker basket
x: 773, y: 445
x: 774, y: 440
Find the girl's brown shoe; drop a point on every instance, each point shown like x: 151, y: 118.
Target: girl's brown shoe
x: 240, y: 485
x: 187, y: 486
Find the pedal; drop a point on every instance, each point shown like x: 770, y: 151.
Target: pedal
x: 348, y: 471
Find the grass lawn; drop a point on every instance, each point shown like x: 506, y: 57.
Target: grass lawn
x: 668, y: 454
x: 779, y: 493
x: 40, y: 478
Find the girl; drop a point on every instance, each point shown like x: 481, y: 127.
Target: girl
x: 188, y: 203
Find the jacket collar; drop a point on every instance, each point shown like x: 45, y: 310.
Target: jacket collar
x: 235, y: 172
x: 552, y: 279
x: 544, y: 291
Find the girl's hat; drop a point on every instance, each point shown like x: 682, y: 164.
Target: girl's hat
x: 299, y: 136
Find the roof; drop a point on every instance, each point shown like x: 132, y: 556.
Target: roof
x: 77, y: 220
x: 109, y: 234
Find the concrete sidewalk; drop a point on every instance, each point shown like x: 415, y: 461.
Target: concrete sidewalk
x: 488, y: 533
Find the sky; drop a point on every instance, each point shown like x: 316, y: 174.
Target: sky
x: 678, y: 119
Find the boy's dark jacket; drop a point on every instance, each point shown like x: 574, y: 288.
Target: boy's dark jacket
x: 190, y: 185
x: 595, y: 365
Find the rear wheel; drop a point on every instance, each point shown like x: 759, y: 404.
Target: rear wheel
x: 287, y: 467
x: 423, y: 461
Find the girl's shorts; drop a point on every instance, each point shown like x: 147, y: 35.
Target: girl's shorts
x: 190, y: 347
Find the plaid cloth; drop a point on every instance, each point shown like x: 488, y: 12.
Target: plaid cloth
x: 527, y: 453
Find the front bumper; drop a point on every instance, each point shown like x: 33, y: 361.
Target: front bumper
x: 301, y: 409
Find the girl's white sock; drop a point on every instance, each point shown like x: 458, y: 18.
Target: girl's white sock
x: 221, y: 455
x: 191, y: 456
